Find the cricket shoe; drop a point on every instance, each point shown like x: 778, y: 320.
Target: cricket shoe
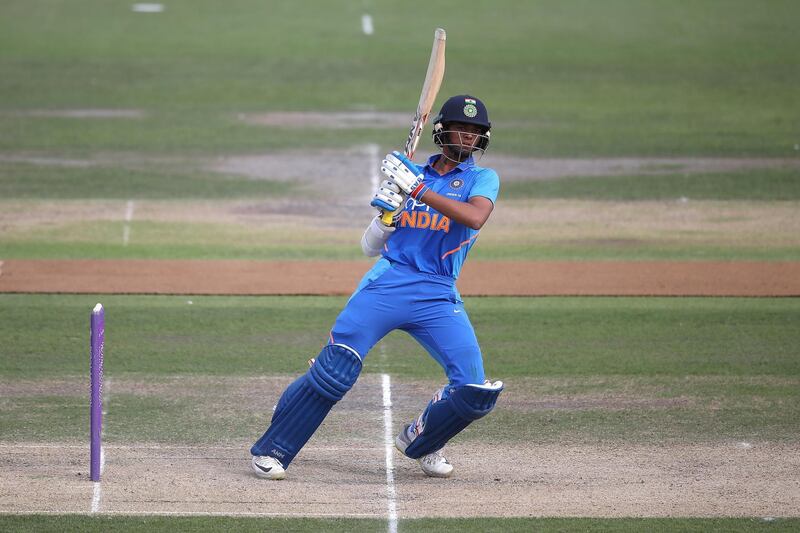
x: 434, y: 464
x: 268, y: 467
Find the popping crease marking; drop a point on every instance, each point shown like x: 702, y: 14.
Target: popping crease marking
x: 126, y: 230
x: 391, y: 490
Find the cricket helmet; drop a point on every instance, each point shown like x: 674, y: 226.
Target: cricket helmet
x: 467, y: 110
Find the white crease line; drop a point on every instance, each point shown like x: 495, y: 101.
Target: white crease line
x: 382, y: 351
x: 366, y: 25
x: 97, y: 491
x: 95, y: 497
x: 126, y: 230
x: 147, y: 8
x: 388, y: 438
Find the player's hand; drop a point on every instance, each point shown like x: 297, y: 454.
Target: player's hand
x: 401, y: 171
x: 388, y: 197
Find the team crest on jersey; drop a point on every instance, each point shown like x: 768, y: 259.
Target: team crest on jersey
x: 457, y: 183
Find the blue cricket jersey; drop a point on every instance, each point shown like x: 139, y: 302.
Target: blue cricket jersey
x: 429, y: 241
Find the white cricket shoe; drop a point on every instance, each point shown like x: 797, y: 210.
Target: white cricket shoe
x: 433, y: 465
x: 268, y: 467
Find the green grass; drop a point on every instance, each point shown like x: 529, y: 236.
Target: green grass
x: 154, y: 239
x: 673, y: 369
x: 669, y: 411
x: 28, y: 181
x: 299, y: 525
x: 576, y: 78
x: 161, y: 132
x: 165, y: 335
x: 761, y: 185
x: 561, y: 78
x: 638, y: 336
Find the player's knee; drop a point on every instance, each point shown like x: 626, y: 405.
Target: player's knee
x: 334, y: 372
x: 472, y: 402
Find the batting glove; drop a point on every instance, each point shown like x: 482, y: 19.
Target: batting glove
x: 388, y: 197
x: 401, y: 171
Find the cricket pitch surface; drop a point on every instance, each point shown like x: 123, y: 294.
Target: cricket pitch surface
x: 343, y: 473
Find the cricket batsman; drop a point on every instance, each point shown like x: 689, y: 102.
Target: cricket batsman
x: 438, y: 211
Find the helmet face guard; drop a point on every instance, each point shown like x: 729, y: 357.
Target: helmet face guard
x: 456, y: 148
x: 463, y: 109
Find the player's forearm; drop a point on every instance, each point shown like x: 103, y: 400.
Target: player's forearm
x: 375, y: 237
x: 472, y: 215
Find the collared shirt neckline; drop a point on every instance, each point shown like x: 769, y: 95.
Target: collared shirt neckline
x: 461, y: 167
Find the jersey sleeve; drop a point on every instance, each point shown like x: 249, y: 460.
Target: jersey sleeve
x: 487, y: 184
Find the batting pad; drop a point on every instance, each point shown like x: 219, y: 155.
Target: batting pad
x: 450, y: 411
x: 306, y: 402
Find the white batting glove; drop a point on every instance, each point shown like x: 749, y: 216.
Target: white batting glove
x: 388, y: 197
x: 401, y: 171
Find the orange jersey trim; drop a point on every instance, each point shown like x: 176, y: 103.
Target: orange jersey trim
x: 460, y: 246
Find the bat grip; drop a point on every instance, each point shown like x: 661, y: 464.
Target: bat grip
x: 386, y: 218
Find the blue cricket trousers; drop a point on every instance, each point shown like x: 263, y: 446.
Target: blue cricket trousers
x: 427, y: 306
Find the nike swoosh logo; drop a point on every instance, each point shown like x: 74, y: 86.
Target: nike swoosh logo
x: 262, y: 468
x: 456, y: 310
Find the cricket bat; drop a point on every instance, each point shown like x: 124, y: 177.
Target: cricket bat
x: 433, y: 80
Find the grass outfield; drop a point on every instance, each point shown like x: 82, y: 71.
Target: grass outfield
x: 571, y: 79
x: 676, y: 369
x: 533, y: 337
x: 561, y: 78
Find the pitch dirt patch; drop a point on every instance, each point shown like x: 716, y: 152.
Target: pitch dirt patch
x: 557, y: 481
x: 345, y: 177
x: 342, y: 472
x: 490, y: 278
